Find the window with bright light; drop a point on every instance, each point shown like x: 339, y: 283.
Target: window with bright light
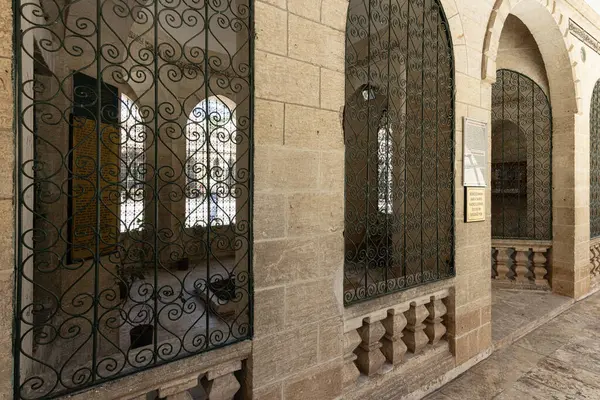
x: 210, y: 163
x: 133, y: 159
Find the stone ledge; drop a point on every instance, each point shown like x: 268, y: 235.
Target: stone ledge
x: 138, y: 384
x: 529, y: 243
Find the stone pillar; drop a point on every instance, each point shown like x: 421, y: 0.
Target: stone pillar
x: 539, y: 266
x: 178, y: 389
x: 350, y: 372
x: 502, y: 269
x: 434, y: 327
x: 414, y: 335
x: 393, y: 346
x: 220, y: 383
x: 370, y: 358
x: 521, y: 261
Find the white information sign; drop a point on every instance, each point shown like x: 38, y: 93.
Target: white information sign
x: 475, y: 157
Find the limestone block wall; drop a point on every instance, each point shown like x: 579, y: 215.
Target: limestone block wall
x: 589, y: 73
x: 518, y: 51
x: 299, y: 200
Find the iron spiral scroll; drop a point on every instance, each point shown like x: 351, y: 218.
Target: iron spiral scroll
x: 134, y: 138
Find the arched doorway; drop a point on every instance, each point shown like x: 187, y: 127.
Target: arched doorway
x: 521, y: 159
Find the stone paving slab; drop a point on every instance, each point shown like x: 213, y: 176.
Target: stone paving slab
x: 560, y: 360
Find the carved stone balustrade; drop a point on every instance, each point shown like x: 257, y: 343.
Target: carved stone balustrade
x: 214, y: 373
x: 376, y: 343
x: 521, y: 263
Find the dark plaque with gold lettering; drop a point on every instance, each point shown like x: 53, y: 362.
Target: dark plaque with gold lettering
x: 94, y: 170
x: 474, y: 204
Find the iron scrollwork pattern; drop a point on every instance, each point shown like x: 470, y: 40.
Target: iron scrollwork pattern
x: 521, y: 158
x: 595, y: 163
x: 116, y: 273
x: 399, y: 147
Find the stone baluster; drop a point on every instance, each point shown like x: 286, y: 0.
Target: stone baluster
x: 434, y: 326
x: 595, y: 260
x: 393, y: 346
x: 350, y: 372
x: 539, y: 266
x: 220, y: 382
x: 502, y: 268
x: 370, y: 358
x: 414, y: 336
x: 521, y: 261
x: 178, y: 388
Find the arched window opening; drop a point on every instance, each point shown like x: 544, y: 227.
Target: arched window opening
x: 398, y: 129
x: 384, y: 166
x: 211, y: 140
x: 595, y: 163
x: 133, y: 168
x: 521, y: 159
x: 134, y: 224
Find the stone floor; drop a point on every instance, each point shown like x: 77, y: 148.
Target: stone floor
x: 560, y: 360
x: 516, y: 312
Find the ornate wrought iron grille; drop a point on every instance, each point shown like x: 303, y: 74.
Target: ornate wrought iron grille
x: 521, y: 158
x: 134, y: 186
x: 595, y: 163
x: 399, y: 140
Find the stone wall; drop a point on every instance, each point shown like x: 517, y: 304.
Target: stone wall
x: 299, y: 317
x: 299, y: 195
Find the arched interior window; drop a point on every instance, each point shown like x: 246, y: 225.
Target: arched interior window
x: 595, y: 163
x: 399, y: 160
x: 133, y: 158
x: 210, y: 168
x: 384, y: 166
x: 521, y: 158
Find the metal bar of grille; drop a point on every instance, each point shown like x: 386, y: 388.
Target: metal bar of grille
x: 134, y: 207
x: 400, y: 84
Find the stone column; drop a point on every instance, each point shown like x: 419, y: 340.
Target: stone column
x: 502, y: 269
x: 220, y: 382
x: 539, y: 266
x: 370, y: 358
x: 521, y: 261
x: 393, y: 346
x: 414, y: 335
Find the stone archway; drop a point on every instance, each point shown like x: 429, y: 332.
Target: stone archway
x: 570, y: 248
